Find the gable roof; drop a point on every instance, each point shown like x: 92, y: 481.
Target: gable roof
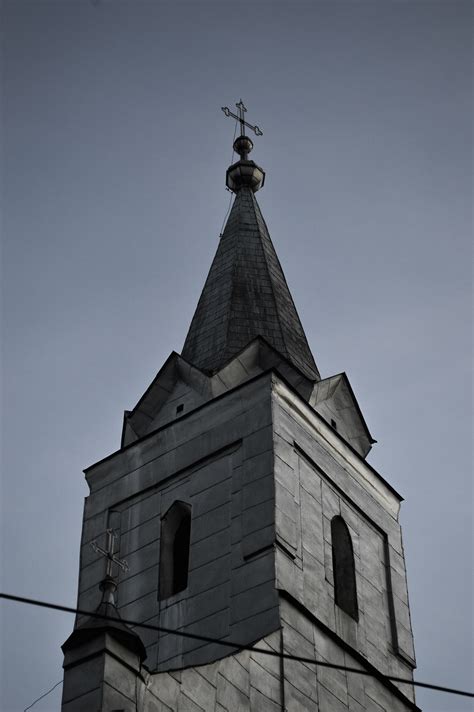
x: 336, y: 391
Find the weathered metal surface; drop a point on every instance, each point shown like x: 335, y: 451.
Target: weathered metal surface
x: 245, y: 296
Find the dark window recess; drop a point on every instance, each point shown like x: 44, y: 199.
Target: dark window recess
x: 345, y: 590
x: 181, y: 555
x: 174, y: 549
x: 333, y: 424
x: 179, y: 408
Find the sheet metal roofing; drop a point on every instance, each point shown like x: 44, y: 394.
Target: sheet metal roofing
x: 245, y: 296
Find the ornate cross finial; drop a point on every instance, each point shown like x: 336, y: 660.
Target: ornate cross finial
x: 109, y: 554
x: 242, y: 110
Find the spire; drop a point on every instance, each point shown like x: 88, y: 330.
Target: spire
x: 246, y: 294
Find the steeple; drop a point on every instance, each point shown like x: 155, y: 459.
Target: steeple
x: 245, y: 510
x: 246, y: 294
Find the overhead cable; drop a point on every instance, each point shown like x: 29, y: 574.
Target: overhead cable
x: 233, y: 644
x: 231, y: 194
x: 42, y: 696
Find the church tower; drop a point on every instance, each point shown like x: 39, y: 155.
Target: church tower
x: 240, y: 507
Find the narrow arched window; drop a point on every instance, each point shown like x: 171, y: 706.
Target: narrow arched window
x: 345, y: 590
x: 174, y: 549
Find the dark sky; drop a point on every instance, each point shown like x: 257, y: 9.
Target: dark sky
x: 114, y: 155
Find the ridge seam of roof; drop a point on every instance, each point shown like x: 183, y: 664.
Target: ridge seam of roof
x: 232, y: 285
x: 313, y: 367
x: 254, y: 204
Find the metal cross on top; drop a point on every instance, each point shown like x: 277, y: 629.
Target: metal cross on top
x: 108, y: 553
x: 242, y: 110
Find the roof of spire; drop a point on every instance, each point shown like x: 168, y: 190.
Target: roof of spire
x: 105, y: 619
x: 245, y: 296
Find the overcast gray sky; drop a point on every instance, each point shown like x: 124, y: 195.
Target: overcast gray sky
x: 114, y: 156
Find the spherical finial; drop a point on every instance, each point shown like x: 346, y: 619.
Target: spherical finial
x: 243, y: 145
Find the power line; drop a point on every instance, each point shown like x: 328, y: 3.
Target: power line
x: 42, y: 696
x: 231, y: 195
x: 232, y: 644
x: 227, y: 213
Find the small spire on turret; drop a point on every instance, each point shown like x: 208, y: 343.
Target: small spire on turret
x: 108, y: 585
x: 105, y: 619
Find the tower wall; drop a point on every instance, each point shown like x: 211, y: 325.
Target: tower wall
x: 264, y: 475
x: 249, y: 681
x: 318, y: 476
x: 219, y: 460
x: 309, y: 688
x: 100, y: 674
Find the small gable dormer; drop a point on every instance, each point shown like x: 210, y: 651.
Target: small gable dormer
x: 334, y: 399
x: 177, y: 389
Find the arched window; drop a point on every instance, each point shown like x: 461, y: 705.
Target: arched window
x: 174, y: 549
x: 345, y: 590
